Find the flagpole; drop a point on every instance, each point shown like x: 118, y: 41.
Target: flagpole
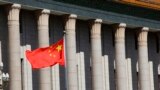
x: 64, y: 46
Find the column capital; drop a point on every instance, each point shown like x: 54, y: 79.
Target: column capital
x: 120, y: 25
x: 45, y: 11
x: 142, y: 36
x: 145, y: 29
x: 42, y: 16
x: 95, y: 21
x: 13, y: 7
x: 120, y: 32
x: 72, y: 16
x: 13, y: 11
x: 42, y: 12
x: 70, y: 22
x: 16, y: 6
x: 95, y: 28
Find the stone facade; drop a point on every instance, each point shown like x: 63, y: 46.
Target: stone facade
x: 99, y: 55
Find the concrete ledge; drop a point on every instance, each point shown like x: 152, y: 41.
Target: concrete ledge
x: 87, y: 13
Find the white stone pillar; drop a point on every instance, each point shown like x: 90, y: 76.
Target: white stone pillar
x: 105, y: 72
x: 151, y: 75
x: 96, y: 55
x: 144, y: 75
x: 29, y: 71
x: 129, y: 74
x: 70, y: 44
x: 120, y: 61
x: 55, y: 77
x: 43, y: 40
x: 26, y: 69
x: 81, y: 71
x: 14, y: 47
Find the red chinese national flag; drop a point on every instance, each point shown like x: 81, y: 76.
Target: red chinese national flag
x: 48, y: 56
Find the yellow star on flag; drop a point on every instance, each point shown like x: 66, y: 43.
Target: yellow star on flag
x: 59, y: 47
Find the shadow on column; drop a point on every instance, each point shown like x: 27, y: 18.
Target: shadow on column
x: 56, y: 28
x: 153, y: 49
x: 109, y: 49
x: 83, y: 45
x: 132, y: 52
x: 29, y: 36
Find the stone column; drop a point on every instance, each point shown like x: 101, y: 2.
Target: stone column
x: 129, y: 73
x: 43, y: 38
x: 96, y: 55
x: 70, y: 45
x: 14, y: 47
x: 120, y: 61
x: 105, y: 72
x: 55, y: 72
x: 26, y: 70
x: 144, y: 77
x: 81, y: 71
x: 151, y: 75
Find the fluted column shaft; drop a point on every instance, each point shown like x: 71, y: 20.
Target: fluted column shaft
x: 96, y: 55
x: 14, y: 47
x: 43, y: 41
x: 120, y: 61
x: 70, y: 38
x: 144, y: 77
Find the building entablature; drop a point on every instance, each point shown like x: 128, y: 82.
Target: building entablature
x: 84, y: 13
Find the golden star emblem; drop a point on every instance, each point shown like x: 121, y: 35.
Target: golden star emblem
x: 59, y: 48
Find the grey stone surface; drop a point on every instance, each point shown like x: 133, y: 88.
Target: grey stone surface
x: 96, y: 53
x: 70, y: 45
x: 14, y: 47
x: 120, y: 57
x: 43, y: 41
x: 143, y: 66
